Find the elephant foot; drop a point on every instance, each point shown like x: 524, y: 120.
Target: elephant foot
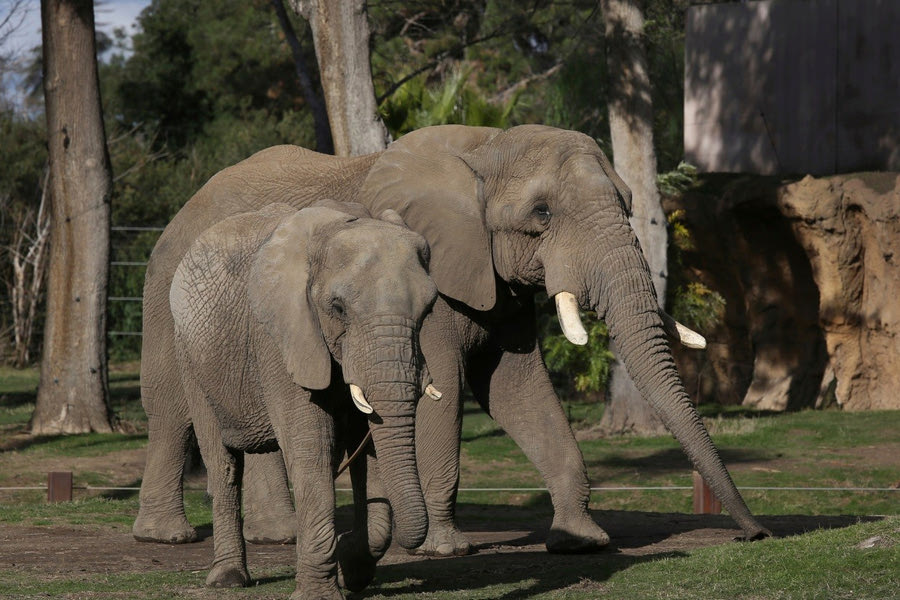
x: 271, y: 530
x: 576, y: 536
x: 444, y: 539
x: 228, y: 575
x: 163, y: 531
x: 305, y: 593
x: 356, y: 566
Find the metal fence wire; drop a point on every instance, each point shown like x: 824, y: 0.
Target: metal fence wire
x: 128, y: 263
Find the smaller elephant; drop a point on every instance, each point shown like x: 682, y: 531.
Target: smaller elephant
x: 276, y: 312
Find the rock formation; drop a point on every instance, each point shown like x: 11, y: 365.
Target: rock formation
x: 812, y: 289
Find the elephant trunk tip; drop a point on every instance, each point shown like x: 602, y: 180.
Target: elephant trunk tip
x: 410, y: 540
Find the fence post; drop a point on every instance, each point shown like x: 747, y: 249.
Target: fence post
x: 705, y: 502
x: 59, y: 486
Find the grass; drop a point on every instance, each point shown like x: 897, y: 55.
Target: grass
x: 803, y: 449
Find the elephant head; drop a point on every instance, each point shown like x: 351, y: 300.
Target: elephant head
x: 327, y: 284
x: 543, y: 209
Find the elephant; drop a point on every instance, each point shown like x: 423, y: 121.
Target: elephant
x: 507, y: 213
x: 275, y: 312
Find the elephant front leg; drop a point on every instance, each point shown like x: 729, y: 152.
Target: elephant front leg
x: 309, y: 448
x: 268, y: 513
x: 518, y: 394
x: 225, y: 469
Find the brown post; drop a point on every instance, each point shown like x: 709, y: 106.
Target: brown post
x: 705, y: 502
x: 59, y: 486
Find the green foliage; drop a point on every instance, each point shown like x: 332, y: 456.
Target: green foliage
x: 587, y: 365
x: 691, y: 302
x: 204, y: 85
x: 698, y: 306
x: 456, y: 100
x: 678, y: 180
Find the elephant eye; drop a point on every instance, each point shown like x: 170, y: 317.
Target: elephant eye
x: 542, y: 212
x: 337, y: 306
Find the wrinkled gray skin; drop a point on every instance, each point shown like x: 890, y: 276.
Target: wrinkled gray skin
x: 262, y: 303
x: 506, y: 213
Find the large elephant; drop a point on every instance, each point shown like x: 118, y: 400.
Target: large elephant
x: 262, y: 303
x: 506, y: 213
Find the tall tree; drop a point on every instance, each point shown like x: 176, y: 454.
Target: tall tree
x: 73, y: 393
x: 341, y: 35
x: 310, y: 89
x: 631, y: 131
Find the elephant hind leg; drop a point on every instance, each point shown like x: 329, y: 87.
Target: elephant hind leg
x: 161, y: 516
x: 438, y: 430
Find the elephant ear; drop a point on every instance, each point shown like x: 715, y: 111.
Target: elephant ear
x: 425, y: 178
x: 620, y: 186
x: 279, y: 295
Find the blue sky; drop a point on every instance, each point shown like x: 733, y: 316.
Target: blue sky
x: 108, y: 15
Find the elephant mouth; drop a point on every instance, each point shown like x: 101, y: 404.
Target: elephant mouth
x: 567, y: 309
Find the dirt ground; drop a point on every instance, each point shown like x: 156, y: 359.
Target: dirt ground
x: 636, y: 536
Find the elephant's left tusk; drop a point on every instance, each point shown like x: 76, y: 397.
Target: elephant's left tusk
x: 569, y: 319
x: 359, y: 399
x: 432, y: 392
x: 687, y: 337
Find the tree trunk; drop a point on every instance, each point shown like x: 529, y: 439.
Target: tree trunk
x: 311, y: 91
x: 72, y: 397
x: 341, y: 35
x: 631, y: 130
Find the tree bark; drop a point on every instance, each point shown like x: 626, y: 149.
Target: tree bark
x: 73, y: 392
x: 631, y: 131
x: 341, y: 35
x: 311, y: 92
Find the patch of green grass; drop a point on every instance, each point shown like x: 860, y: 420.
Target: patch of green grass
x: 149, y: 585
x: 88, y: 444
x: 15, y: 417
x: 822, y: 564
x: 18, y: 391
x: 803, y: 449
x: 31, y: 508
x: 94, y: 510
x: 18, y: 381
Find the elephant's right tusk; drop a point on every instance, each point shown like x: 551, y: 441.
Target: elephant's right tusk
x: 432, y: 392
x: 687, y: 337
x: 569, y: 319
x: 359, y: 399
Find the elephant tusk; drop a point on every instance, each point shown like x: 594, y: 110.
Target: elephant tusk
x: 687, y: 337
x: 569, y: 319
x: 432, y: 392
x: 359, y: 399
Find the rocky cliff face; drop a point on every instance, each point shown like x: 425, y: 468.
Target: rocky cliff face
x: 849, y: 227
x: 812, y: 288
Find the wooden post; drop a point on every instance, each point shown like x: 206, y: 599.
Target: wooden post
x: 59, y: 486
x: 705, y: 502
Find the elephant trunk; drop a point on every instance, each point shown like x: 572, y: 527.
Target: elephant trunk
x: 393, y: 365
x: 636, y: 328
x: 394, y: 439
